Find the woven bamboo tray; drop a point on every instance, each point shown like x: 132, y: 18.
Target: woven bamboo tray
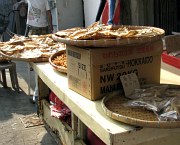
x: 4, y: 59
x: 39, y: 59
x: 113, y: 42
x: 58, y: 68
x: 112, y: 106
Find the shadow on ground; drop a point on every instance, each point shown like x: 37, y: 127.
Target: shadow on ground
x: 13, y: 102
x: 26, y: 76
x: 13, y: 106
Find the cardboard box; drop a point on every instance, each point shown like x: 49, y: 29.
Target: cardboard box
x: 94, y: 72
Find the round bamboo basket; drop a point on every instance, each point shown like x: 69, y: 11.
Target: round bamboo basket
x: 38, y: 59
x: 58, y: 68
x: 4, y: 59
x: 114, y: 42
x: 114, y: 108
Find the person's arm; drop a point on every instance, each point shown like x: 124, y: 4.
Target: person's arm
x: 100, y: 10
x: 49, y: 16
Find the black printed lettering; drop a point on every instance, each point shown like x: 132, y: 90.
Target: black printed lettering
x: 74, y: 54
x: 118, y: 75
x: 139, y: 61
x: 82, y: 66
x: 110, y: 88
x: 106, y: 78
x: 112, y: 67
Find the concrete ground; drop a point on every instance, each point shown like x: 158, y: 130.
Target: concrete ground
x: 14, y: 105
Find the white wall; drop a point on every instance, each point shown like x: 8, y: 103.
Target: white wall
x: 69, y: 14
x: 90, y: 11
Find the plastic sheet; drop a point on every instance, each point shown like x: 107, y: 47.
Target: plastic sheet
x: 162, y: 100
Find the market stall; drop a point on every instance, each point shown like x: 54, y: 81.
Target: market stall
x: 97, y: 54
x: 92, y: 115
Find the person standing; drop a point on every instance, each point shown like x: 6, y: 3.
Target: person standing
x: 100, y: 9
x: 39, y: 18
x: 111, y: 11
x: 39, y: 22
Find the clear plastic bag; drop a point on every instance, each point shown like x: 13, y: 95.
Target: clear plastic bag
x: 150, y: 103
x: 153, y: 91
x: 163, y: 100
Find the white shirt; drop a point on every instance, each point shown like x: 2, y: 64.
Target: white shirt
x: 37, y: 13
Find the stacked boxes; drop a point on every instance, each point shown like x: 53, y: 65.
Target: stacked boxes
x: 94, y: 72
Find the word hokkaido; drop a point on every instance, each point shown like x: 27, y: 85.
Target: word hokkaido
x: 139, y: 61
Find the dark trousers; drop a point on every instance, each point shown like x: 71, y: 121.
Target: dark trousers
x: 100, y: 9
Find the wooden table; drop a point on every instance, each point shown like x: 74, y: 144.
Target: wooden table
x: 90, y: 113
